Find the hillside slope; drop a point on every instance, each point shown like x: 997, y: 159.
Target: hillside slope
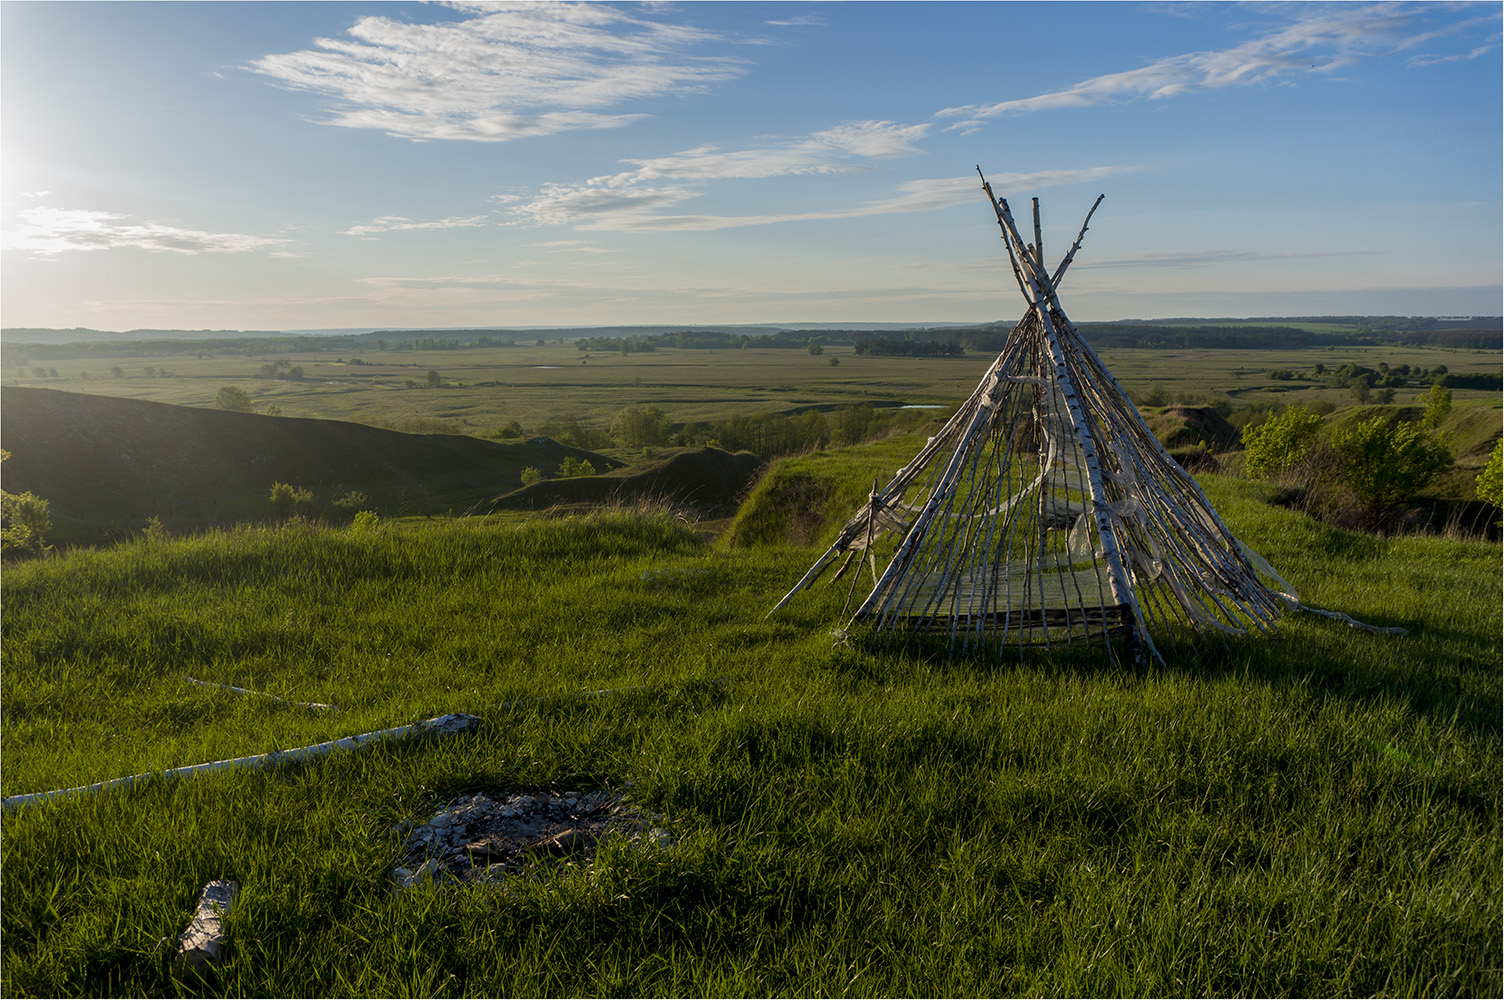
x: 106, y: 464
x: 709, y: 479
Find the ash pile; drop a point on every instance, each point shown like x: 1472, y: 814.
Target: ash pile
x: 479, y: 837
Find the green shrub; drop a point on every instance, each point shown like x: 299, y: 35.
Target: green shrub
x: 1280, y: 442
x: 640, y: 426
x: 1490, y: 482
x: 531, y: 476
x: 1384, y: 465
x: 25, y: 519
x: 1438, y: 404
x: 572, y: 466
x: 288, y: 500
x: 365, y: 521
x: 234, y: 398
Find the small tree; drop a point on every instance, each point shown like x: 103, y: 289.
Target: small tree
x: 1280, y: 442
x: 572, y: 466
x: 234, y: 398
x: 435, y: 380
x: 25, y: 519
x: 1438, y: 405
x: 640, y: 426
x: 531, y: 476
x: 1384, y: 465
x: 1490, y: 482
x: 816, y: 348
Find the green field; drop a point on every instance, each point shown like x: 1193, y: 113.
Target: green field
x: 488, y: 388
x: 1315, y: 813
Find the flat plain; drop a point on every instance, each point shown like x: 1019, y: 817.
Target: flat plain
x: 484, y: 389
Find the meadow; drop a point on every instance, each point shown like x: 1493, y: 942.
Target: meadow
x: 485, y: 389
x: 1315, y: 812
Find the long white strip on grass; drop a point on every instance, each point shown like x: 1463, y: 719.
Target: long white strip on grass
x: 261, y: 694
x: 443, y: 725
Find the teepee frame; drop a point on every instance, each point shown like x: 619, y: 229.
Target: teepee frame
x: 1045, y: 511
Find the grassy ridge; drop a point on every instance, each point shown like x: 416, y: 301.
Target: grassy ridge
x: 1317, y: 813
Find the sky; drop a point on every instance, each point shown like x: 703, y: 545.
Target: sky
x: 293, y: 166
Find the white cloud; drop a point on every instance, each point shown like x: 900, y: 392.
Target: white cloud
x: 835, y: 150
x: 392, y: 223
x: 637, y: 198
x: 1326, y: 39
x: 617, y: 204
x: 507, y: 71
x: 47, y: 231
x: 800, y: 21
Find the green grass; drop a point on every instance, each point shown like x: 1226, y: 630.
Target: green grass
x: 1313, y: 814
x: 487, y: 388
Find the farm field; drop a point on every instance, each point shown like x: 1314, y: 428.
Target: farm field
x: 485, y: 389
x: 1317, y: 812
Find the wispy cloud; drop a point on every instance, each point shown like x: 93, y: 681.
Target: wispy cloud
x: 392, y: 223
x: 1324, y: 39
x: 1421, y: 61
x: 1202, y: 258
x: 44, y: 231
x: 573, y: 246
x: 623, y: 202
x: 505, y: 72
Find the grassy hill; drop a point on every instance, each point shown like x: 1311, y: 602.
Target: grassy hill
x: 1313, y: 812
x: 107, y: 464
x: 709, y: 479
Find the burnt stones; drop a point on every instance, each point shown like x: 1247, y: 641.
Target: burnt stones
x: 481, y: 837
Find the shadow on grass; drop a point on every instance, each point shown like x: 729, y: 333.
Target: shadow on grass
x: 1333, y: 658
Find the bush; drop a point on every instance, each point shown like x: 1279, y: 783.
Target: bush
x: 640, y: 426
x: 572, y: 466
x: 233, y: 398
x: 25, y: 519
x: 350, y: 506
x: 1280, y: 442
x: 1384, y: 465
x: 365, y: 520
x: 288, y: 500
x: 531, y: 476
x: 1490, y: 482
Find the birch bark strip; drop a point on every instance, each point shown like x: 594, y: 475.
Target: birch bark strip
x: 202, y: 945
x: 442, y: 725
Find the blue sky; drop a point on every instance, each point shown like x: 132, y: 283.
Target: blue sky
x: 306, y: 165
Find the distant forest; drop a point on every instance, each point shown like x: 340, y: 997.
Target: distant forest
x: 1272, y: 334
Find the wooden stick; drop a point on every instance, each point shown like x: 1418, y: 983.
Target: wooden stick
x: 261, y: 694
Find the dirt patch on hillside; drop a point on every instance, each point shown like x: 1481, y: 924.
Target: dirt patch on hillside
x: 1188, y: 426
x: 710, y: 480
